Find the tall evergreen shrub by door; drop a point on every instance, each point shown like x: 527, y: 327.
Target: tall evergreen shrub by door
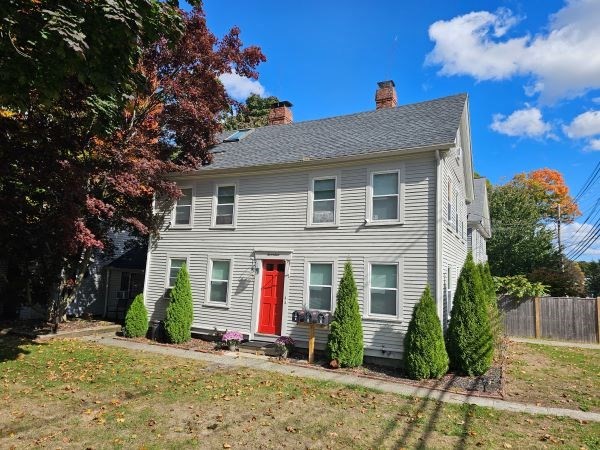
x: 136, y: 319
x: 180, y: 313
x: 345, y: 342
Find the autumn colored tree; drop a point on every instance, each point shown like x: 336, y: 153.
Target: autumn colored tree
x: 251, y: 114
x: 552, y: 193
x: 82, y: 156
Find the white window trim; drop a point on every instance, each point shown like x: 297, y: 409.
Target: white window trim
x: 369, y: 191
x: 399, y: 262
x: 171, y: 256
x: 213, y: 220
x: 334, y: 284
x: 209, y: 266
x: 174, y: 209
x: 311, y: 199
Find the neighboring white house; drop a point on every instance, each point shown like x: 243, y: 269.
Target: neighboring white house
x: 479, y: 228
x: 266, y: 228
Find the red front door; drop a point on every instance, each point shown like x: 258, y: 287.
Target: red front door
x: 271, y: 297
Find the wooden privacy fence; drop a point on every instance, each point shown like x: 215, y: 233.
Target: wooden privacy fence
x: 560, y: 318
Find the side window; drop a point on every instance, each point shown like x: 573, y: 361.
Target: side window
x: 225, y: 207
x: 324, y: 201
x: 175, y: 265
x: 449, y: 203
x: 219, y: 281
x: 183, y: 208
x: 320, y: 286
x: 456, y: 212
x: 385, y: 199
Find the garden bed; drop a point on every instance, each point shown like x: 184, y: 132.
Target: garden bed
x: 194, y: 344
x: 36, y: 328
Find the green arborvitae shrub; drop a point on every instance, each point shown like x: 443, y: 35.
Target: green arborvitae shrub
x: 345, y: 342
x: 424, y: 349
x: 136, y: 319
x: 470, y: 342
x: 180, y: 312
x: 490, y: 289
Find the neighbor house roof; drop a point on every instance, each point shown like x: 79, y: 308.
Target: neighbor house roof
x: 426, y: 124
x: 478, y: 212
x: 133, y: 259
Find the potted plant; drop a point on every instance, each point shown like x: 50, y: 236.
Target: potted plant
x: 232, y: 339
x: 284, y: 345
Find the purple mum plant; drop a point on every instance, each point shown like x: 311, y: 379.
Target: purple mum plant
x: 285, y: 341
x: 232, y: 337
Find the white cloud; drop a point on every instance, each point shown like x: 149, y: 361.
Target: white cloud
x: 594, y: 145
x: 584, y: 125
x: 526, y: 122
x: 563, y: 61
x: 241, y: 87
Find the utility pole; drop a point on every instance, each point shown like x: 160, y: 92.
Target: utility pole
x: 560, y: 251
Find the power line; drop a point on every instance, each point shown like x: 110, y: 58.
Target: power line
x: 589, y: 182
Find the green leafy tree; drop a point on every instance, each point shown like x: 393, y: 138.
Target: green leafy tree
x: 345, y: 342
x: 568, y: 282
x: 520, y: 241
x: 180, y: 312
x: 470, y: 341
x: 424, y: 349
x: 591, y: 272
x: 519, y: 287
x: 136, y: 319
x: 253, y: 113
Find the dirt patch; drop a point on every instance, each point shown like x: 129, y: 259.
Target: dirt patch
x: 194, y: 344
x: 34, y: 328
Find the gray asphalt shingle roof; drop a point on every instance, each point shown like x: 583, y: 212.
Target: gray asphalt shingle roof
x: 429, y: 123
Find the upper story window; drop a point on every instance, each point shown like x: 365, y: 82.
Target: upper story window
x: 386, y: 196
x: 175, y: 265
x: 323, y: 199
x: 225, y: 205
x: 320, y: 286
x: 456, y: 213
x: 449, y: 203
x: 183, y: 208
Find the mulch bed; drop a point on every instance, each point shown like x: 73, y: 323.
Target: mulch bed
x: 34, y: 328
x: 194, y: 344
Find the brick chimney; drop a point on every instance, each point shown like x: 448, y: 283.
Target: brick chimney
x: 386, y: 97
x: 280, y: 113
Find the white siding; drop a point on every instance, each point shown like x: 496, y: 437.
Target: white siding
x: 477, y: 245
x: 272, y: 214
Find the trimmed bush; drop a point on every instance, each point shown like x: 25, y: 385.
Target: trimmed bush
x: 345, y: 341
x: 470, y: 342
x: 136, y: 319
x: 180, y: 312
x: 490, y: 289
x: 424, y: 349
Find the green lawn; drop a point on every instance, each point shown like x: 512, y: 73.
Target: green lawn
x: 72, y: 394
x: 565, y: 377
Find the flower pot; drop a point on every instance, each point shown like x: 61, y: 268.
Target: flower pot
x: 233, y: 347
x: 284, y: 353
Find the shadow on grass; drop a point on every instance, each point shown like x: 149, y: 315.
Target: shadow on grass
x: 12, y: 347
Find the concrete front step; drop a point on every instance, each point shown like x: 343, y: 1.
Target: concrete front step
x: 259, y: 348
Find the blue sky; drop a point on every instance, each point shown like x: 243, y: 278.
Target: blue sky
x: 531, y: 69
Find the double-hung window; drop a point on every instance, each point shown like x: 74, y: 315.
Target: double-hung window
x: 456, y: 212
x: 175, y: 265
x: 323, y: 201
x: 225, y: 197
x: 383, y: 290
x: 449, y: 203
x: 385, y: 199
x: 320, y: 286
x: 183, y: 208
x: 220, y: 276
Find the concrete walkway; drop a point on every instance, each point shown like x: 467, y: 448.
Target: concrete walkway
x: 556, y: 343
x: 261, y: 363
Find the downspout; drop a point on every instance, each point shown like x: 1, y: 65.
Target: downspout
x: 439, y: 297
x: 148, y: 255
x: 106, y: 291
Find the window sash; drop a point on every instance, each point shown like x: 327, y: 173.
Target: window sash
x: 324, y: 200
x: 378, y: 202
x: 183, y: 207
x: 174, y: 268
x: 320, y: 285
x: 225, y: 208
x: 219, y: 281
x: 378, y: 304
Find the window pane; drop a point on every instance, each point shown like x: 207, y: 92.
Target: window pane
x: 385, y: 184
x: 186, y: 198
x: 320, y: 274
x: 182, y: 215
x: 226, y: 194
x: 218, y: 291
x: 383, y: 301
x: 319, y: 298
x: 176, y: 264
x: 220, y: 270
x: 324, y: 189
x: 324, y: 211
x: 385, y: 208
x: 383, y: 276
x: 224, y: 214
